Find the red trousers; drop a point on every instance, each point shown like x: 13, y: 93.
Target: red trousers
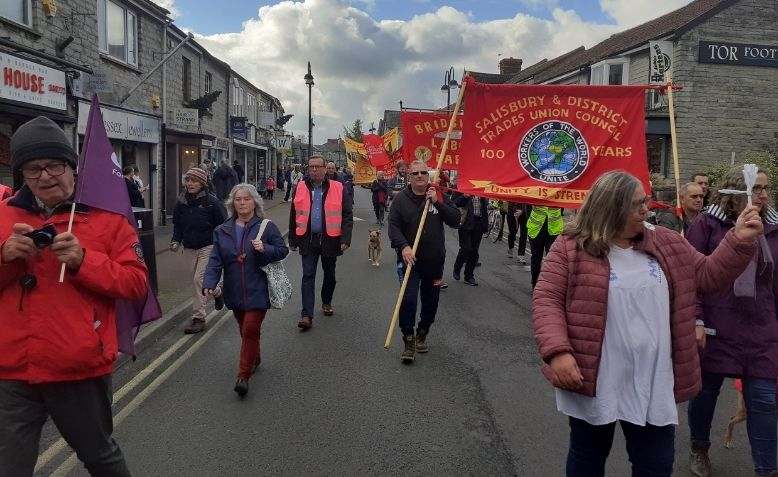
x: 250, y: 324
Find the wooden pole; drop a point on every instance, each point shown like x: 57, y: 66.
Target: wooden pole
x: 674, y: 138
x: 70, y: 229
x: 441, y: 156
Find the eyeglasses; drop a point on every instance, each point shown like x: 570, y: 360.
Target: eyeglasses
x: 316, y: 167
x: 55, y: 169
x: 757, y: 189
x: 420, y: 173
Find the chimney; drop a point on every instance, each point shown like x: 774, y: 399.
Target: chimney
x: 510, y: 66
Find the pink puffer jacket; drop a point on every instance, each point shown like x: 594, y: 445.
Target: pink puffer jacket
x: 570, y: 301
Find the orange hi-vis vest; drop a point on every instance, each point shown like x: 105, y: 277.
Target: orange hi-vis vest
x: 333, y: 209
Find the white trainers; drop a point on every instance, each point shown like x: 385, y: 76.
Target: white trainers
x: 521, y: 260
x: 527, y: 268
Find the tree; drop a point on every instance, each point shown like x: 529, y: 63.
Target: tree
x: 355, y: 131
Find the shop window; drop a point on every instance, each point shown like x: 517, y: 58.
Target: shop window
x: 117, y: 31
x: 657, y: 149
x: 186, y: 84
x: 208, y: 82
x: 611, y: 72
x: 19, y: 11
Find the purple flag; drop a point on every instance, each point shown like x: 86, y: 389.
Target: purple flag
x: 101, y: 185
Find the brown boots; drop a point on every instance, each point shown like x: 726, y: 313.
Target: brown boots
x: 699, y: 462
x: 409, y: 353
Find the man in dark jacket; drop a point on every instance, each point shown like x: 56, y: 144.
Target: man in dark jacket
x: 470, y: 234
x: 136, y: 198
x: 58, y: 341
x: 692, y: 199
x: 320, y: 225
x: 196, y: 215
x: 224, y: 179
x: 380, y: 193
x: 427, y: 272
x: 239, y: 170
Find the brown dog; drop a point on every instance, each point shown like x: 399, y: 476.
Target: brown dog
x: 374, y: 247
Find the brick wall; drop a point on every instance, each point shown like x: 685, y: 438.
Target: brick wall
x: 725, y: 108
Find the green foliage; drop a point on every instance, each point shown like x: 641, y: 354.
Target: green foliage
x: 355, y: 131
x: 765, y: 160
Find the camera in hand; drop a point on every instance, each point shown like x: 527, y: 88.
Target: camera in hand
x: 43, y: 237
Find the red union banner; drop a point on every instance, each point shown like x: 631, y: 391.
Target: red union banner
x: 547, y: 145
x: 423, y: 136
x: 376, y: 154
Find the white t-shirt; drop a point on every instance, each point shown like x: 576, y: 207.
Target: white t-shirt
x: 635, y: 379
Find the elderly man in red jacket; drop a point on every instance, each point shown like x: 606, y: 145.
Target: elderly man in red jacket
x: 58, y: 340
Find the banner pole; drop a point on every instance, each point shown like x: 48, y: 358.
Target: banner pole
x: 70, y: 230
x: 441, y: 156
x: 674, y: 138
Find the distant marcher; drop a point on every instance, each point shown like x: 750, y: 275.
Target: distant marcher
x: 136, y: 177
x: 702, y: 180
x: 614, y: 318
x: 320, y: 225
x: 380, y: 192
x: 399, y: 182
x: 295, y: 177
x: 224, y: 179
x: 239, y: 171
x: 691, y: 205
x: 517, y: 226
x: 544, y: 224
x: 288, y: 182
x: 270, y: 187
x: 426, y: 276
x: 470, y: 234
x: 332, y: 172
x: 737, y: 329
x: 195, y: 217
x: 136, y: 198
x: 239, y: 253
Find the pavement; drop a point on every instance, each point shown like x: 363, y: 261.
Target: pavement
x: 332, y: 401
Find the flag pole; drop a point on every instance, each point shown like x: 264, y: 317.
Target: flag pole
x: 674, y: 138
x: 441, y: 156
x: 70, y: 230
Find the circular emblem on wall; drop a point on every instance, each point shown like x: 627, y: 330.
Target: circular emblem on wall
x: 554, y: 152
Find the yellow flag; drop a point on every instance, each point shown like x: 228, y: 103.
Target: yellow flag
x: 391, y: 140
x: 354, y: 147
x: 364, y: 172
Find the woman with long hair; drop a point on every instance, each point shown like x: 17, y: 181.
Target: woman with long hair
x: 739, y: 328
x: 614, y: 318
x: 239, y: 252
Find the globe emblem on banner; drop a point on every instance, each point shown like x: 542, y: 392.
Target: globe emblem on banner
x: 554, y: 152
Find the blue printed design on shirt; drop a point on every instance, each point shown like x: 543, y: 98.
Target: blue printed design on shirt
x: 613, y: 276
x: 654, y: 270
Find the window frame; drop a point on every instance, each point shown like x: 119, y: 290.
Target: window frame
x: 27, y: 11
x: 208, y: 82
x: 131, y: 24
x: 605, y: 65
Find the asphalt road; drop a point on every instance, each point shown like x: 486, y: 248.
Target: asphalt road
x: 332, y: 401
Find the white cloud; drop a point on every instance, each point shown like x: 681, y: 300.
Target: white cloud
x: 362, y: 66
x: 629, y: 13
x: 169, y: 5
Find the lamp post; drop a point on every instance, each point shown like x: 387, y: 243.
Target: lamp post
x: 309, y: 81
x: 449, y: 83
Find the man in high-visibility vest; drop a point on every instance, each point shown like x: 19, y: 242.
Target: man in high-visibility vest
x: 320, y: 225
x: 543, y: 226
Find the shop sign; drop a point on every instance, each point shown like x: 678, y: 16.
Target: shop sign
x: 238, y: 128
x: 222, y: 143
x: 122, y: 124
x: 184, y: 117
x: 207, y: 143
x: 282, y: 142
x: 32, y: 83
x: 661, y: 61
x: 101, y: 81
x: 741, y: 54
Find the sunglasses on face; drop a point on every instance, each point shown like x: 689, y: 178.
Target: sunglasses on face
x: 420, y: 173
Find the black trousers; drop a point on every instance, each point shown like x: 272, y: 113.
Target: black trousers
x: 502, y: 226
x: 308, y: 287
x: 81, y: 410
x: 424, y: 282
x: 469, y: 243
x: 517, y: 227
x: 380, y: 210
x: 539, y: 246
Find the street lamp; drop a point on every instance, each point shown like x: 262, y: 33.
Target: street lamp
x: 449, y: 83
x: 309, y: 81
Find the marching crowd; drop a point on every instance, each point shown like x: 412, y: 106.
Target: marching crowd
x: 636, y: 308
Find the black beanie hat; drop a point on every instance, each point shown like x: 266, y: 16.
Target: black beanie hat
x: 40, y: 138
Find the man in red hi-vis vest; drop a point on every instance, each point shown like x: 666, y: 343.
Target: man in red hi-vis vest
x: 320, y: 225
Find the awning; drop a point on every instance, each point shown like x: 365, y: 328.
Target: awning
x: 248, y: 145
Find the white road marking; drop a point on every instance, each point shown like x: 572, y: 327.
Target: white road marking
x: 60, y: 444
x: 357, y: 219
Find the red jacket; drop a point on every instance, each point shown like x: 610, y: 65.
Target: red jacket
x: 569, y: 305
x: 5, y: 192
x: 66, y: 332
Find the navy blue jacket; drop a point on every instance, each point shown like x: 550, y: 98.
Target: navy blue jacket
x: 245, y: 284
x: 195, y: 218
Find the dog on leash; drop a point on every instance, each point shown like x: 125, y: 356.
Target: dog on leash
x: 374, y: 247
x: 739, y: 416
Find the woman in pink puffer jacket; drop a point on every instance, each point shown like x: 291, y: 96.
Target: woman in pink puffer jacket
x: 611, y: 267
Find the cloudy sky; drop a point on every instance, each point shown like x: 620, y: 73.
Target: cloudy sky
x: 367, y: 55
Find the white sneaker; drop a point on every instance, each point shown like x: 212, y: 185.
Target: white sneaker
x: 521, y: 260
x: 510, y: 253
x: 527, y: 268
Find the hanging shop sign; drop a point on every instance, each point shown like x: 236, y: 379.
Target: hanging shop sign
x: 184, y: 117
x: 32, y: 83
x: 122, y: 124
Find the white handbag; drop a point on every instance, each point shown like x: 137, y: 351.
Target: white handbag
x: 279, y: 288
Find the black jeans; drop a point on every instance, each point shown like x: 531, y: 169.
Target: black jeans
x: 81, y: 410
x: 380, y: 210
x: 288, y: 190
x: 502, y: 226
x: 469, y: 243
x: 651, y: 449
x: 539, y: 246
x: 308, y: 287
x: 517, y: 227
x: 425, y: 278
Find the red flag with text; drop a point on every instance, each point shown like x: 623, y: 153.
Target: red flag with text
x: 547, y: 144
x: 376, y: 152
x: 423, y: 136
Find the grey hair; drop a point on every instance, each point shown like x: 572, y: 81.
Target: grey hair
x: 259, y: 204
x: 604, y: 213
x: 685, y: 188
x: 420, y: 163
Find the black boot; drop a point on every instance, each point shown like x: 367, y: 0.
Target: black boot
x: 409, y: 353
x: 241, y: 387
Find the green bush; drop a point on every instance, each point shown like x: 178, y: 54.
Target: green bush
x: 764, y: 160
